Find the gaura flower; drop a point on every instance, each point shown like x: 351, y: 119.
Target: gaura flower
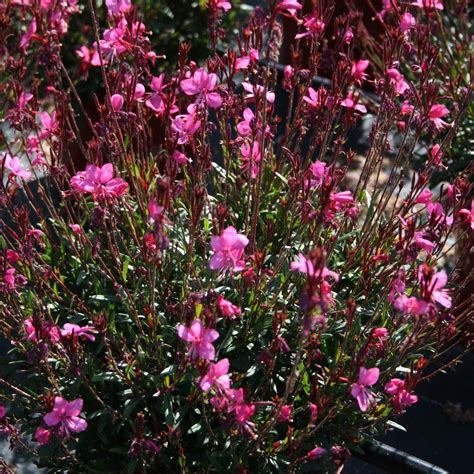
x: 66, y: 415
x: 202, y: 84
x: 227, y: 309
x: 359, y: 390
x: 217, y: 376
x: 228, y: 250
x: 99, y: 181
x: 73, y: 330
x: 13, y: 165
x: 200, y: 340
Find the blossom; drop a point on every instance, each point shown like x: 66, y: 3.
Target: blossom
x: 244, y: 61
x: 434, y: 287
x: 316, y: 453
x: 435, y: 115
x: 227, y: 309
x: 74, y: 330
x: 66, y: 414
x: 180, y: 158
x: 358, y: 70
x: 257, y: 91
x: 407, y: 22
x: 410, y: 305
x: 26, y: 38
x: 318, y: 173
x: 219, y: 5
x: 398, y: 81
x: 186, y: 125
x: 202, y: 84
x: 423, y: 243
x: 468, y: 214
x: 393, y: 386
x: 285, y: 414
x: 117, y: 102
x: 350, y: 102
x: 314, y: 26
x: 3, y: 411
x: 217, y: 376
x: 251, y: 158
x: 367, y: 378
x: 13, y: 165
x: 289, y: 6
x: 429, y: 4
x: 313, y: 100
x: 245, y: 126
x: 42, y: 435
x: 424, y: 197
x: 200, y: 338
x: 76, y: 228
x: 99, y: 181
x: 155, y: 102
x: 46, y: 331
x: 305, y: 265
x: 49, y: 124
x: 228, y: 250
x: 115, y: 7
x: 343, y: 198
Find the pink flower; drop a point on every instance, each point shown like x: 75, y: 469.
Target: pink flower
x: 423, y: 243
x: 318, y: 172
x: 468, y: 214
x: 436, y: 113
x: 305, y: 265
x: 117, y: 102
x: 314, y: 26
x: 73, y: 330
x: 46, y: 331
x: 348, y: 36
x: 227, y: 308
x: 380, y: 333
x: 9, y: 278
x: 99, y: 182
x: 228, y: 250
x: 76, y: 228
x: 289, y: 7
x: 404, y: 399
x: 367, y: 378
x: 350, y: 102
x: 26, y: 38
x: 434, y: 287
x: 13, y: 164
x: 244, y: 61
x: 66, y: 414
x: 257, y: 91
x: 358, y: 70
x: 180, y: 158
x: 245, y: 127
x: 410, y: 305
x: 42, y: 435
x: 393, y: 386
x: 436, y: 155
x: 398, y: 81
x: 200, y: 338
x: 343, y: 198
x: 202, y: 84
x: 186, y: 125
x: 216, y: 376
x: 429, y: 4
x: 49, y: 124
x: 407, y: 22
x: 155, y: 102
x: 285, y: 414
x: 139, y: 92
x: 251, y: 158
x: 313, y: 100
x: 215, y: 5
x: 316, y: 453
x: 3, y: 411
x: 424, y: 197
x: 115, y: 7
x: 243, y: 413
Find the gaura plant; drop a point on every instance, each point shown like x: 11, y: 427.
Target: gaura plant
x: 189, y: 281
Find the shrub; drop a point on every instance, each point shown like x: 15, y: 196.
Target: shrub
x: 209, y: 293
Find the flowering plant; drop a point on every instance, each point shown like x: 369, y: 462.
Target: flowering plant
x: 210, y: 289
